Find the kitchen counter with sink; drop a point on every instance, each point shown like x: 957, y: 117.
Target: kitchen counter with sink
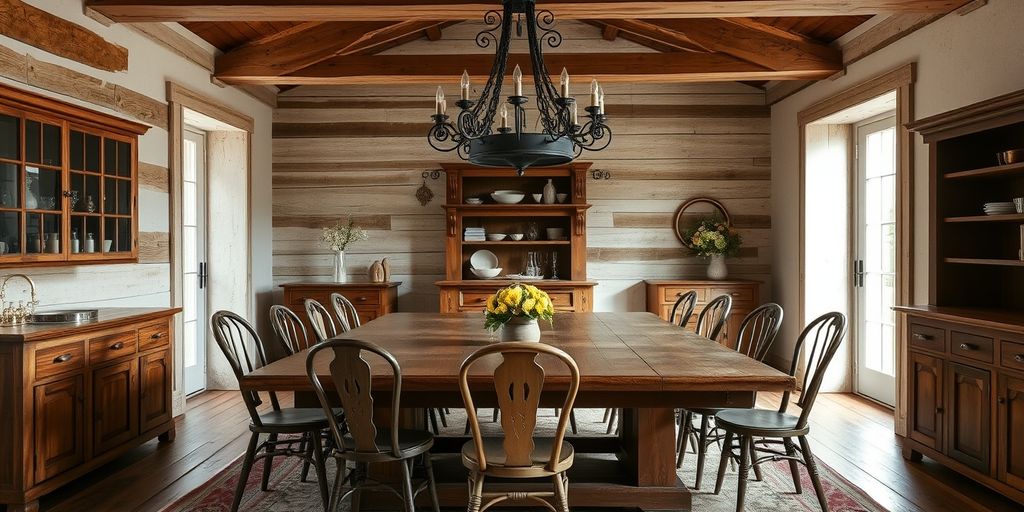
x: 105, y: 318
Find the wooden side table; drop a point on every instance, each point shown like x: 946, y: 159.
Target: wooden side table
x: 746, y: 295
x: 371, y: 300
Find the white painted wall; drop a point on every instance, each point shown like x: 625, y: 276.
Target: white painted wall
x: 961, y: 60
x: 150, y: 66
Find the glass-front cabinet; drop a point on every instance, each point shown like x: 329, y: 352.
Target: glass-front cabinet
x: 68, y: 183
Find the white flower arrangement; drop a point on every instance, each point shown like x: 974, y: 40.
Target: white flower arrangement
x: 339, y: 236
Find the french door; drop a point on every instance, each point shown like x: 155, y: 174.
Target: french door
x: 875, y: 260
x: 194, y: 272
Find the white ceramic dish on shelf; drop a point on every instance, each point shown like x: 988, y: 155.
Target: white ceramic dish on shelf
x: 516, y: 236
x: 555, y: 233
x: 495, y: 237
x: 486, y: 273
x: 483, y: 260
x: 537, y: 197
x: 521, y: 277
x: 561, y: 197
x: 508, y: 196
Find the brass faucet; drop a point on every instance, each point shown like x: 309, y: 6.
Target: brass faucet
x: 16, y: 315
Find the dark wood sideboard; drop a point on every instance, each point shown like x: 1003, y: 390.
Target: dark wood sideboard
x: 75, y: 396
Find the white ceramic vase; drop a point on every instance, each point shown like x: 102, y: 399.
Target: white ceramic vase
x: 548, y: 195
x: 520, y: 329
x: 339, y: 267
x: 717, y: 269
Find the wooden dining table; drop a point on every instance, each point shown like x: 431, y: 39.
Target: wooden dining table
x: 633, y: 361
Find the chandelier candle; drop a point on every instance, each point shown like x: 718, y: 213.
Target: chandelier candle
x: 475, y: 135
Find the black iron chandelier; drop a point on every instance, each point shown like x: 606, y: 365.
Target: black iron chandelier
x: 472, y: 135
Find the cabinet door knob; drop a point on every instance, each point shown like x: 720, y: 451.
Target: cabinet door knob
x: 1019, y: 358
x: 1001, y: 400
x: 156, y: 336
x: 117, y: 346
x: 968, y: 346
x: 361, y: 299
x: 922, y: 337
x: 938, y: 410
x: 63, y: 358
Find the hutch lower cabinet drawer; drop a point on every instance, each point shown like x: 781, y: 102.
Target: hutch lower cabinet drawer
x: 746, y: 296
x: 965, y: 403
x: 372, y: 300
x: 567, y: 297
x: 76, y: 397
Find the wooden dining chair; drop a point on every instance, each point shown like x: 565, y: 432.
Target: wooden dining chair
x: 320, y: 319
x: 518, y: 382
x: 714, y: 316
x: 775, y: 428
x: 348, y: 317
x: 245, y: 352
x: 755, y: 338
x: 683, y: 307
x: 364, y: 443
x: 289, y: 329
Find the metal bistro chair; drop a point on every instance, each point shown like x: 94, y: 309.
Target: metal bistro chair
x: 714, y: 316
x: 518, y: 382
x: 236, y: 339
x: 348, y: 317
x: 757, y: 333
x: 320, y: 319
x: 778, y: 427
x: 365, y: 443
x: 683, y: 308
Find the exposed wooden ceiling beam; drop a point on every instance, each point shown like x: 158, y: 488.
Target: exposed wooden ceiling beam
x: 612, y: 67
x: 310, y: 43
x: 36, y: 27
x: 674, y: 40
x: 609, y: 32
x: 402, y: 10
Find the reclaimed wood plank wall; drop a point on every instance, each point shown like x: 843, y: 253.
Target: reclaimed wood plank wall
x: 360, y: 151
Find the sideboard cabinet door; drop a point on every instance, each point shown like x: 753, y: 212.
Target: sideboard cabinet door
x: 154, y: 385
x: 59, y: 426
x: 1011, y: 430
x: 926, y: 400
x: 970, y: 395
x: 115, y: 405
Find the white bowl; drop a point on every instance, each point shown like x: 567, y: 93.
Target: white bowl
x: 485, y: 273
x: 555, y: 233
x: 537, y: 197
x: 508, y: 196
x: 483, y: 260
x: 516, y: 236
x: 561, y: 197
x: 495, y: 237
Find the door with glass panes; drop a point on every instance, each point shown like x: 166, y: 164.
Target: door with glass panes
x: 194, y: 274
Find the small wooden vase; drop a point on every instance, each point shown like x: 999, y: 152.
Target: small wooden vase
x: 376, y: 272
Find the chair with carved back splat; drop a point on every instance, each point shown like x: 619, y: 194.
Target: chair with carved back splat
x: 778, y: 427
x: 518, y: 382
x: 364, y: 443
x: 755, y: 338
x: 320, y: 319
x: 240, y: 344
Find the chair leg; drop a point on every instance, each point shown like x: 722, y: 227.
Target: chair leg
x: 684, y: 431
x: 561, y: 492
x: 431, y: 483
x: 494, y: 415
x: 611, y: 422
x: 741, y: 485
x: 243, y: 478
x: 812, y: 470
x: 321, y: 472
x: 794, y: 466
x: 572, y: 421
x: 268, y: 462
x: 702, y: 449
x: 476, y: 492
x: 407, y: 497
x: 357, y: 483
x: 753, y: 460
x: 432, y: 414
x: 444, y: 418
x: 723, y: 463
x: 339, y: 480
x: 305, y: 447
x: 607, y: 415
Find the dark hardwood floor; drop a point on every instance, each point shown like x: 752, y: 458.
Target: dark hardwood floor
x: 852, y: 435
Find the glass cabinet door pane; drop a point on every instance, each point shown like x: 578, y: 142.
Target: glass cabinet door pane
x: 9, y: 185
x: 10, y: 137
x: 124, y: 159
x: 109, y: 195
x: 33, y: 146
x: 51, y: 234
x: 92, y: 153
x: 110, y: 157
x: 124, y: 235
x: 109, y: 234
x: 76, y: 150
x: 34, y: 233
x: 87, y: 230
x: 52, y: 145
x: 124, y: 197
x: 10, y: 233
x: 42, y: 189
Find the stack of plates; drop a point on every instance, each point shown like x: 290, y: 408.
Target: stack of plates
x: 474, y: 200
x: 1006, y: 208
x: 475, y: 235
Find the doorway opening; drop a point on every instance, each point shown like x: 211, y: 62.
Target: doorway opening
x: 193, y: 263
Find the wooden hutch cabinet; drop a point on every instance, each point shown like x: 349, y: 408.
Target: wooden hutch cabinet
x: 569, y: 290
x: 965, y: 365
x: 76, y: 396
x: 68, y: 183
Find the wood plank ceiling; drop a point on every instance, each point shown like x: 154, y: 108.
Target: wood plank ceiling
x: 269, y: 42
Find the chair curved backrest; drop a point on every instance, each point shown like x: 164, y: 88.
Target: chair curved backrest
x: 684, y: 308
x: 244, y: 350
x: 827, y: 331
x: 348, y: 317
x: 519, y: 382
x: 353, y: 381
x: 758, y: 331
x: 289, y: 329
x: 713, y: 317
x: 320, y: 319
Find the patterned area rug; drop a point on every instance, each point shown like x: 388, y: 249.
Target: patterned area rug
x: 774, y: 493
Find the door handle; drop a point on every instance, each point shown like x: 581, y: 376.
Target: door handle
x: 202, y: 275
x: 858, y: 273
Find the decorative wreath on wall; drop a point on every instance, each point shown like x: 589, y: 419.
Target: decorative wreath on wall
x: 680, y: 224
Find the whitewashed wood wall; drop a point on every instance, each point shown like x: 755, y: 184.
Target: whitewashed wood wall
x: 360, y: 151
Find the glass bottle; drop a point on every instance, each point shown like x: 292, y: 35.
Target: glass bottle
x: 90, y: 243
x: 75, y: 242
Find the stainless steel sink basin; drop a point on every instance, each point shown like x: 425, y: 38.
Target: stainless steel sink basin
x: 64, y: 316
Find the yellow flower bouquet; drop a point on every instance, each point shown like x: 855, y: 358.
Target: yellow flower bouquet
x: 518, y: 304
